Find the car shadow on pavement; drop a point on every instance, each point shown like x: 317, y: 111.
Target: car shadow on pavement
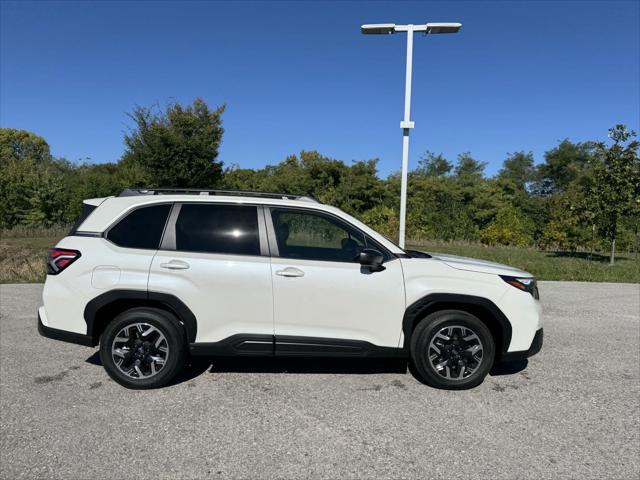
x: 287, y: 365
x: 195, y: 368
x: 308, y: 365
x: 95, y: 359
x: 498, y: 369
x: 360, y: 366
x: 357, y: 366
x: 508, y: 368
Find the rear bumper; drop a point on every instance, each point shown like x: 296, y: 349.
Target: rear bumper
x: 63, y: 335
x: 536, y: 346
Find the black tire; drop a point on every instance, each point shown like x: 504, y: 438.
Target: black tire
x: 425, y: 332
x: 167, y: 325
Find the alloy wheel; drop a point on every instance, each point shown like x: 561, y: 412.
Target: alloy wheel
x: 455, y: 352
x: 140, y: 350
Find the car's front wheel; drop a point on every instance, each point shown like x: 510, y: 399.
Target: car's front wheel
x: 143, y: 348
x: 452, y: 349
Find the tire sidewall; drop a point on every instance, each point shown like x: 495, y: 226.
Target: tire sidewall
x: 423, y: 335
x: 163, y: 322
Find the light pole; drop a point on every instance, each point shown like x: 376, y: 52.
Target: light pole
x: 406, y: 124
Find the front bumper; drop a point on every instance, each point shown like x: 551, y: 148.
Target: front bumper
x: 63, y: 335
x: 536, y: 346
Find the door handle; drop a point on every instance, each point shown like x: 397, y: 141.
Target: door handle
x: 175, y: 265
x: 290, y: 272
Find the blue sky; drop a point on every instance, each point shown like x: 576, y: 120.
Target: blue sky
x: 299, y: 75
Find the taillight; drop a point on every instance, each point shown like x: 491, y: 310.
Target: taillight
x: 59, y: 259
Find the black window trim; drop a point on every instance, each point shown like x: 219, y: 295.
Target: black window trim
x: 168, y: 243
x: 266, y: 232
x: 273, y: 243
x: 85, y: 212
x: 122, y: 216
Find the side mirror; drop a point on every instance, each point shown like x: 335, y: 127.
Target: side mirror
x: 372, y: 258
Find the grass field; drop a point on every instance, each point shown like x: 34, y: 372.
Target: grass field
x: 23, y: 258
x: 547, y: 265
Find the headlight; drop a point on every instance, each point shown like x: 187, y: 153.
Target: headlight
x: 525, y: 284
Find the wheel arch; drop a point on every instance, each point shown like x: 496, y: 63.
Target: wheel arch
x: 102, y: 309
x: 483, y: 308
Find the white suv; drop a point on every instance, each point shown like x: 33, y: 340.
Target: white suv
x: 154, y: 276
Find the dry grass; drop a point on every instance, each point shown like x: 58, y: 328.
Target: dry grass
x: 23, y: 253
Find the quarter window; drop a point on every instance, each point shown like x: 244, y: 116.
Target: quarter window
x: 142, y: 228
x: 313, y: 236
x: 231, y: 229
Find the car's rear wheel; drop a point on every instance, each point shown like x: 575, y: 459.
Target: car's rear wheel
x: 143, y: 348
x: 452, y: 349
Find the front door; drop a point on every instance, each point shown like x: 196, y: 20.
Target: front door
x: 321, y: 292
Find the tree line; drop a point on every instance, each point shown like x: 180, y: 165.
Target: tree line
x: 581, y: 196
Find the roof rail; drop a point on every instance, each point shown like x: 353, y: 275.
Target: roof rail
x: 131, y: 192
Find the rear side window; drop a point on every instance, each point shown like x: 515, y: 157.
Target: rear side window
x: 231, y: 229
x: 84, y: 214
x: 142, y: 228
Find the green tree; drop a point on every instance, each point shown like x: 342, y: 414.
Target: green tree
x: 509, y: 227
x: 518, y: 168
x: 236, y: 178
x: 177, y: 147
x: 616, y: 186
x: 563, y: 165
x: 32, y: 187
x: 22, y: 145
x: 468, y: 168
x: 436, y: 208
x: 512, y: 186
x: 433, y: 165
x: 100, y: 180
x: 359, y: 189
x: 565, y: 227
x: 384, y: 220
x: 354, y: 188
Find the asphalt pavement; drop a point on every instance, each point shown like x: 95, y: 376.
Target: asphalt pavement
x: 573, y: 412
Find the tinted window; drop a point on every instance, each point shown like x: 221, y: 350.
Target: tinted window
x: 313, y: 236
x: 142, y: 228
x: 84, y: 214
x: 218, y: 229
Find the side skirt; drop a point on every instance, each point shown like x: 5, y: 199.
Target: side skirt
x: 235, y: 345
x: 293, y: 346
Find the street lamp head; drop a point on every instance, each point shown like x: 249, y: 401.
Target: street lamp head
x: 443, y: 27
x: 378, y: 29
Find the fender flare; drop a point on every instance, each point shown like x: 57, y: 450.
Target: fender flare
x: 453, y: 300
x: 184, y: 314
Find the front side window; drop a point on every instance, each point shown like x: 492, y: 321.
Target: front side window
x: 142, y: 228
x: 230, y: 229
x: 314, y: 236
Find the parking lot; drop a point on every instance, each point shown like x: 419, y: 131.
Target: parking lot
x: 574, y: 411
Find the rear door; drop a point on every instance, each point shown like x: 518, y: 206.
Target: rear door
x: 214, y: 258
